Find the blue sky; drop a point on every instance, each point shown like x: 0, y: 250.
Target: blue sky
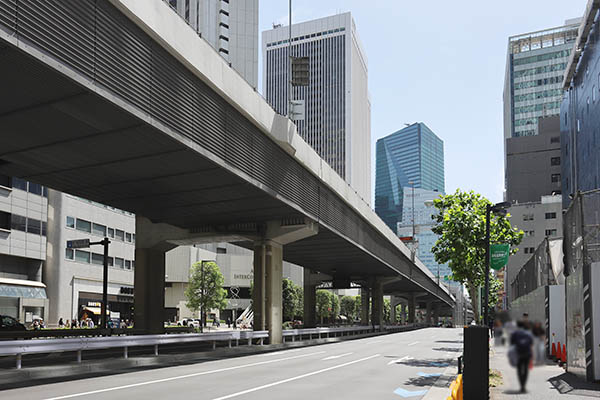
x: 441, y: 63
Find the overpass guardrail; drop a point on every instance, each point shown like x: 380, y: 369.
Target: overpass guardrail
x: 38, y: 345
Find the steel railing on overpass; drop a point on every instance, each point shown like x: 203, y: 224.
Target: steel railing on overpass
x: 22, y: 347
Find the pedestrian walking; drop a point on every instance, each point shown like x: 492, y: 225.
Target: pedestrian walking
x: 229, y: 322
x: 520, y: 352
x: 61, y: 324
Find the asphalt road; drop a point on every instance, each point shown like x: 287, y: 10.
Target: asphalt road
x: 402, y: 365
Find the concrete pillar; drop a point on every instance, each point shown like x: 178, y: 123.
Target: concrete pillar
x: 377, y: 289
x: 393, y: 304
x: 411, y: 309
x: 428, y: 313
x: 310, y: 300
x: 149, y: 287
x: 364, y: 305
x: 436, y: 317
x: 267, y: 291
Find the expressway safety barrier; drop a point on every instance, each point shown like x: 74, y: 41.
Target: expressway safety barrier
x: 18, y: 348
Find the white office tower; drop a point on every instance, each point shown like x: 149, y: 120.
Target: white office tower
x: 230, y: 26
x: 337, y: 122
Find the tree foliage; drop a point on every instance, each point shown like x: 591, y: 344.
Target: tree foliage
x: 348, y: 306
x: 460, y: 224
x: 205, y: 288
x: 292, y: 295
x: 328, y: 305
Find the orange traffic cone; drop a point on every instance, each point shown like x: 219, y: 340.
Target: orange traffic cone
x: 559, y: 352
x: 564, y: 353
x: 554, y: 350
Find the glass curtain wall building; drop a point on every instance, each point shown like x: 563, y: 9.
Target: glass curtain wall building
x: 337, y: 123
x: 413, y: 154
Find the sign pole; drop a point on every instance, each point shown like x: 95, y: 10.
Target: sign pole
x: 104, y: 308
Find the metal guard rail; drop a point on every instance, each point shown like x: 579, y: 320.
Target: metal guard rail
x: 79, y: 344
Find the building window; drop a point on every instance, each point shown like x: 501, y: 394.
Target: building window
x: 18, y: 223
x: 35, y: 188
x: 555, y: 178
x: 527, y: 217
x: 44, y: 228
x: 132, y: 264
x: 119, y: 262
x: 221, y: 250
x: 5, y: 181
x: 120, y: 235
x: 97, y: 259
x: 128, y: 237
x: 111, y: 261
x: 551, y: 215
x: 555, y: 161
x: 83, y: 225
x: 70, y: 222
x: 4, y: 220
x: 111, y: 233
x: 127, y: 264
x: 34, y: 226
x: 98, y: 229
x: 82, y: 256
x: 18, y: 183
x: 69, y: 254
x: 550, y: 232
x: 133, y: 237
x: 556, y: 139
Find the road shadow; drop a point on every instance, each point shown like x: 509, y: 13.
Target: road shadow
x: 449, y: 341
x: 455, y: 349
x: 567, y: 383
x: 422, y: 381
x: 428, y: 363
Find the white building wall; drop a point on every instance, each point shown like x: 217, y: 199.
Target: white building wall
x: 66, y: 278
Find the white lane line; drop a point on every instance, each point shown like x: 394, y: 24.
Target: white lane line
x: 276, y: 353
x: 214, y: 371
x: 413, y: 343
x: 229, y: 396
x: 375, y: 341
x: 334, y: 357
x: 405, y: 358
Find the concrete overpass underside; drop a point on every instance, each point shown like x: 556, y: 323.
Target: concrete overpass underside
x: 91, y: 105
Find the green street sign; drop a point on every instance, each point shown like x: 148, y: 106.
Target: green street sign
x: 499, y: 255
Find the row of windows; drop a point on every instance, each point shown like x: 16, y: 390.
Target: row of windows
x: 538, y: 95
x: 99, y: 229
x: 21, y: 184
x: 537, y: 107
x: 541, y: 57
x: 87, y: 257
x: 540, y: 70
x: 539, y: 82
x: 312, y: 35
x: 530, y: 217
x: 16, y: 222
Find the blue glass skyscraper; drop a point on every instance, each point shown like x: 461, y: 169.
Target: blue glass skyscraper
x: 413, y: 154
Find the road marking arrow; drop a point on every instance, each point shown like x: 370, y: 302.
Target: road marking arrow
x: 405, y: 358
x: 334, y: 357
x: 408, y: 393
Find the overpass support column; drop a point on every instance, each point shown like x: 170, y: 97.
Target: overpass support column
x: 310, y: 299
x: 149, y: 276
x: 436, y: 317
x: 377, y: 288
x: 393, y: 305
x: 364, y: 305
x: 428, y: 313
x: 268, y: 272
x: 411, y: 309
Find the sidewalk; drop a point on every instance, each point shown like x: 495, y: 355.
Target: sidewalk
x: 546, y: 382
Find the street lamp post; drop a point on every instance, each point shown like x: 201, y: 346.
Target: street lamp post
x: 499, y: 208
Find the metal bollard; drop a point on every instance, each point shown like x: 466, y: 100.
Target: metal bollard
x: 229, y: 343
x: 214, y: 344
x: 18, y: 361
x: 237, y: 342
x: 460, y: 359
x: 293, y: 338
x: 79, y: 356
x: 125, y: 354
x: 249, y: 341
x: 156, y: 350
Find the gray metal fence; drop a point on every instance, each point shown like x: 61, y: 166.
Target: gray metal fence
x: 536, y: 272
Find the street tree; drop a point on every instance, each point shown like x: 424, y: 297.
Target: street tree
x: 387, y: 308
x: 460, y: 224
x: 348, y: 307
x: 323, y: 301
x: 205, y: 288
x: 290, y: 299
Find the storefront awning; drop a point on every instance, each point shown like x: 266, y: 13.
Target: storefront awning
x: 22, y: 288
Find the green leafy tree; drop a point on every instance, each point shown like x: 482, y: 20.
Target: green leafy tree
x: 290, y: 299
x: 460, y: 224
x: 348, y: 307
x: 357, y: 306
x: 205, y: 288
x: 387, y: 308
x: 323, y: 300
x: 300, y: 303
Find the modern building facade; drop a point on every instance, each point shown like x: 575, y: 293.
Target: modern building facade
x: 410, y: 157
x: 231, y: 27
x: 537, y: 220
x: 533, y: 163
x: 23, y: 232
x: 421, y: 214
x: 74, y: 277
x: 580, y: 116
x: 337, y: 123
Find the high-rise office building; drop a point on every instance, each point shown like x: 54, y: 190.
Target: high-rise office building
x: 337, y: 121
x: 231, y: 27
x: 410, y: 157
x: 416, y: 215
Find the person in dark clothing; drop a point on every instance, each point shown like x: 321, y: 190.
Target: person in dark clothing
x: 522, y: 341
